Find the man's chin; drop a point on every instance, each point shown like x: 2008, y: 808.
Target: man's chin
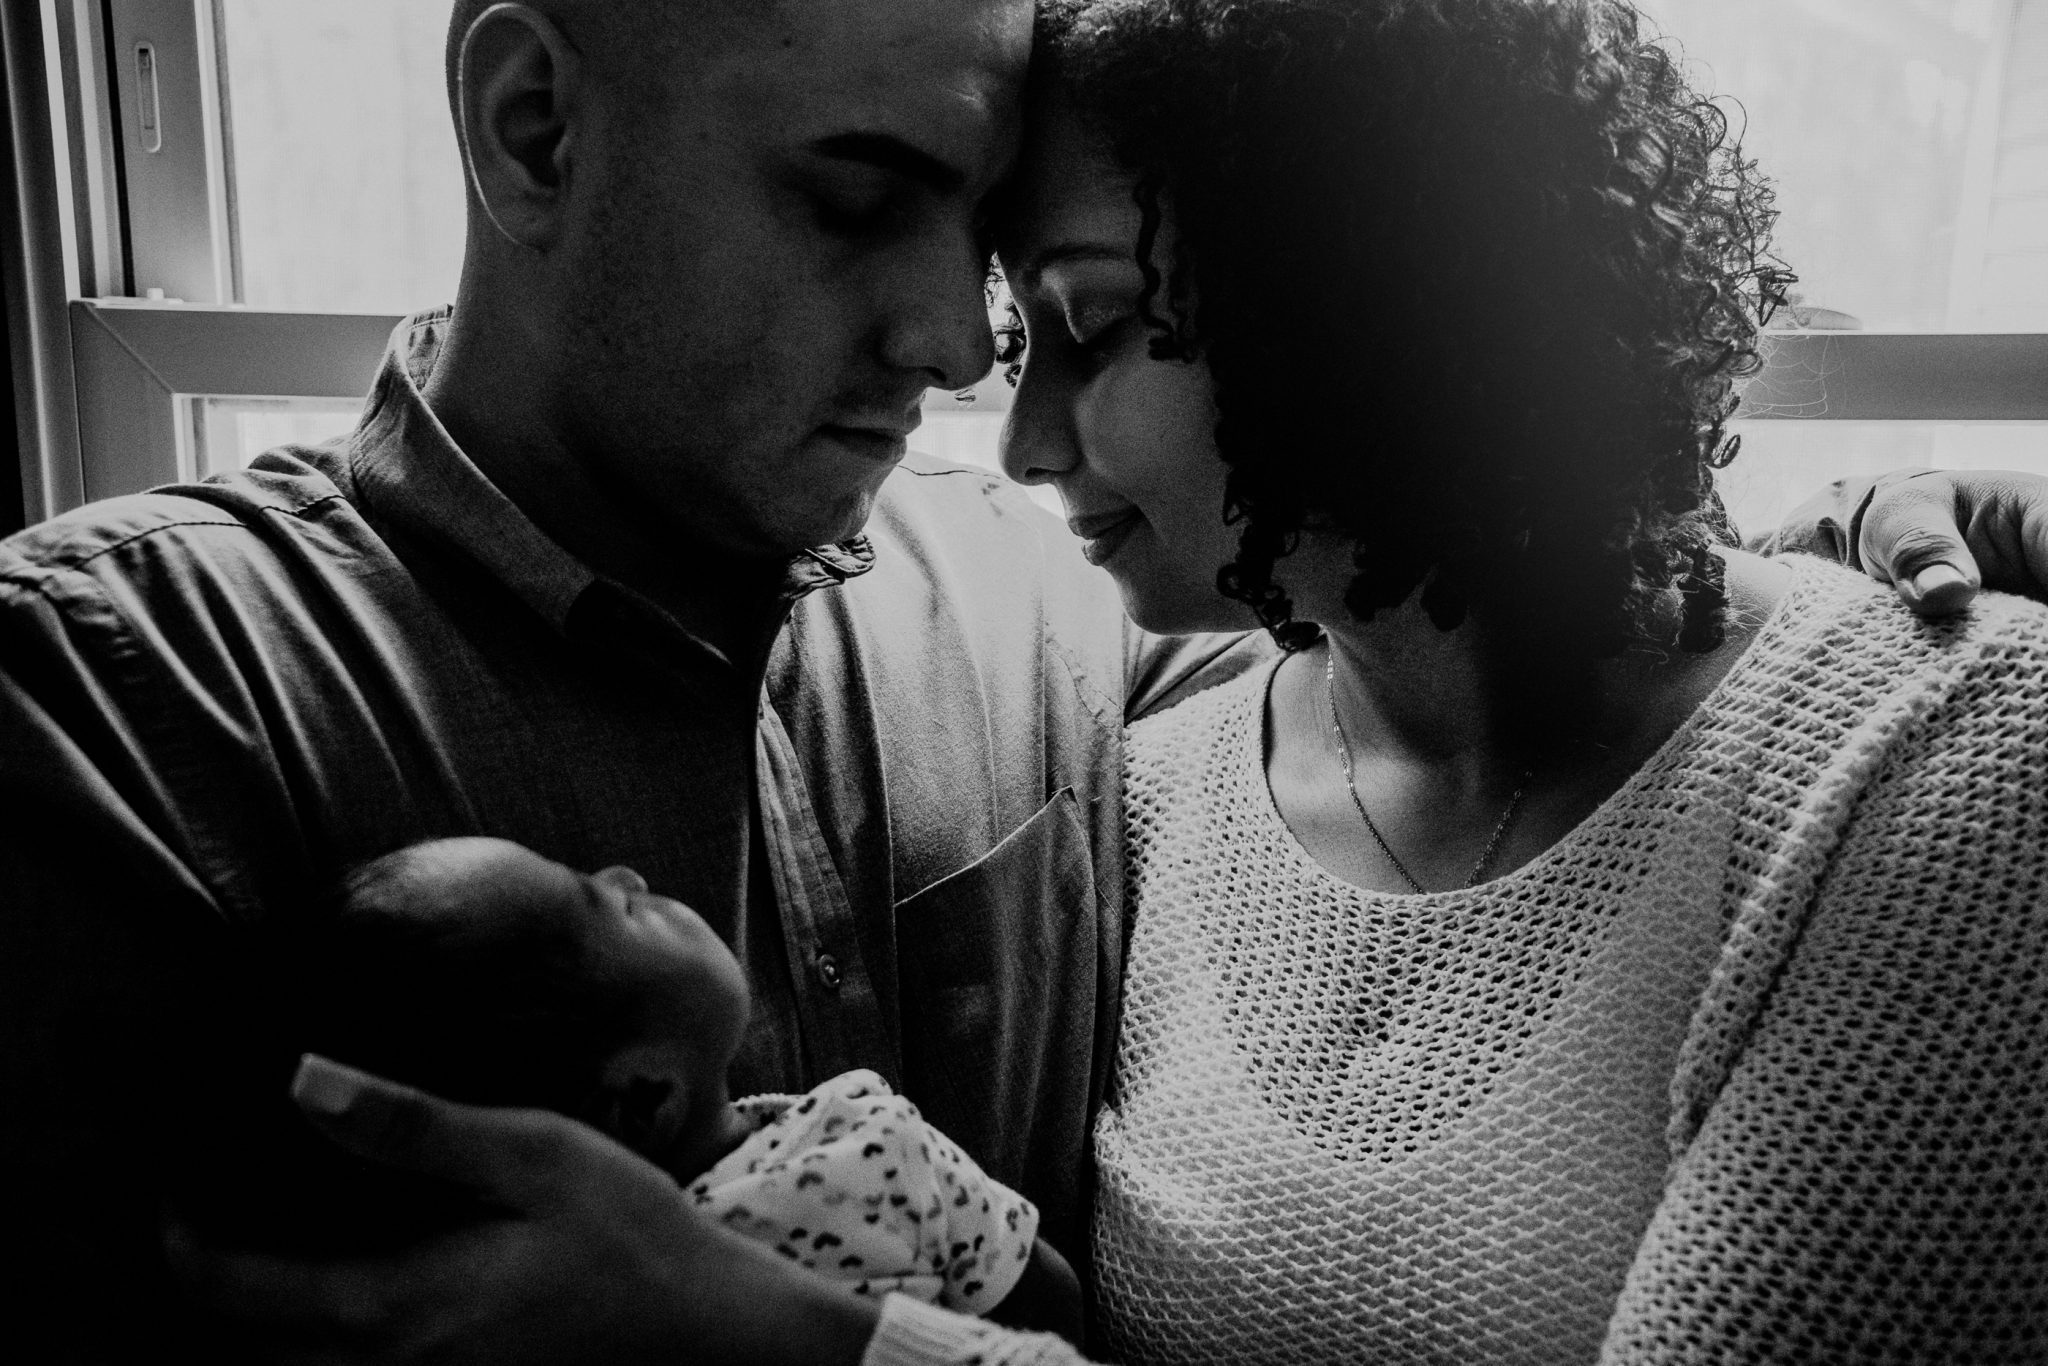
x: 766, y: 522
x: 820, y: 524
x: 847, y: 526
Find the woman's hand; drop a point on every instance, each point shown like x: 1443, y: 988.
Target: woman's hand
x: 594, y: 1255
x: 1937, y: 536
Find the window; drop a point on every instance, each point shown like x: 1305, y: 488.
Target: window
x: 1909, y: 143
x: 348, y: 186
x: 285, y: 169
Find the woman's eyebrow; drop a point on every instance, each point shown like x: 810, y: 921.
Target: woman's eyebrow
x: 887, y: 152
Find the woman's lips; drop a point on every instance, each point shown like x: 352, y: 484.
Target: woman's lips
x: 1103, y: 536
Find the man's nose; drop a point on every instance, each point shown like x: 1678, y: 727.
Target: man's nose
x: 939, y: 324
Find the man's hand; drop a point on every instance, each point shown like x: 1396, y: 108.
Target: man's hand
x: 594, y: 1255
x: 1937, y: 536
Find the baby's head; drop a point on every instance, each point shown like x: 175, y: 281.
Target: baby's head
x: 477, y: 969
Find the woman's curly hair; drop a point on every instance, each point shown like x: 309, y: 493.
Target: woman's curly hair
x: 1474, y: 280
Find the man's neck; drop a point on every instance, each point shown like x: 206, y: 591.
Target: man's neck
x: 490, y: 408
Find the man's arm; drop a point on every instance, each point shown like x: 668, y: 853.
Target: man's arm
x: 106, y: 944
x: 1938, y: 536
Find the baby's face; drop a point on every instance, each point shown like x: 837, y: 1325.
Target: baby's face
x: 690, y: 992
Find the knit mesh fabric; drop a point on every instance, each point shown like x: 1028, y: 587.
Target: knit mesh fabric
x: 1750, y: 1067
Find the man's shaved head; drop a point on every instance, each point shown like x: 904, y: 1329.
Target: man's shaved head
x: 624, y: 37
x: 718, y: 250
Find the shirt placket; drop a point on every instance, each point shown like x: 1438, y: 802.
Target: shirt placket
x: 837, y: 1004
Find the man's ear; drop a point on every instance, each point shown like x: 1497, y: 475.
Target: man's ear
x: 517, y: 83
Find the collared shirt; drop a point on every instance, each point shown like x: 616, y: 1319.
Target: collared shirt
x: 214, y: 697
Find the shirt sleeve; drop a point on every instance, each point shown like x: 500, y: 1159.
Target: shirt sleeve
x: 1870, y: 1183
x: 108, y: 946
x: 1162, y: 671
x: 912, y: 1333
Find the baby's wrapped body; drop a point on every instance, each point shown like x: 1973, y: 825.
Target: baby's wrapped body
x: 852, y: 1183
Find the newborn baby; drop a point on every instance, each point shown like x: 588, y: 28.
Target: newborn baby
x: 481, y: 971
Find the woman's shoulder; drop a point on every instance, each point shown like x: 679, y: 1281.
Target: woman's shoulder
x: 1821, y: 591
x: 1838, y: 636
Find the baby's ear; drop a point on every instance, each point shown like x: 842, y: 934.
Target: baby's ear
x: 629, y: 1106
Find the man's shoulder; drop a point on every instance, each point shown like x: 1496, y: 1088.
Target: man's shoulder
x: 969, y: 573
x: 930, y: 497
x: 968, y: 533
x: 223, y: 527
x: 281, y: 483
x: 980, y: 543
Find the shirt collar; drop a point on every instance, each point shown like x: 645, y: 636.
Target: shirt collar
x: 409, y: 471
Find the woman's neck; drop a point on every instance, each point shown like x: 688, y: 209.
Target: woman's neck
x: 1453, y: 742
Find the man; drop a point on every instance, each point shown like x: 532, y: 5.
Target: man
x: 593, y: 575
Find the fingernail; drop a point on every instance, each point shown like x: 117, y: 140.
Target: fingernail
x: 324, y: 1086
x: 1936, y: 577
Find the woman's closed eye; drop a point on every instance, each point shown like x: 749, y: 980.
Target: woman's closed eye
x: 1097, y: 328
x: 1088, y: 319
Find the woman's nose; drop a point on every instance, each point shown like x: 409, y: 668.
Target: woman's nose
x: 1039, y: 441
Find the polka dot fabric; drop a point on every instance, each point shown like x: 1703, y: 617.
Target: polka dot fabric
x: 850, y: 1181
x: 1752, y: 1067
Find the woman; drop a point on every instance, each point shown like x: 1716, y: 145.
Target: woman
x: 1583, y: 939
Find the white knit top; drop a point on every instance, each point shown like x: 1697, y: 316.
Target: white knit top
x: 1752, y: 1066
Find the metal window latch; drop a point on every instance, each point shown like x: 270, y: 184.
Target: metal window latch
x: 146, y: 99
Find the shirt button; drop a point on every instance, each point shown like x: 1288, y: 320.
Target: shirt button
x: 828, y: 971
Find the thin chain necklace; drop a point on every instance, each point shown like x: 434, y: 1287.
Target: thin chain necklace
x: 1351, y: 785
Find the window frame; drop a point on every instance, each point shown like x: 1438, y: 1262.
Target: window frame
x: 142, y: 361
x: 37, y: 272
x: 100, y: 375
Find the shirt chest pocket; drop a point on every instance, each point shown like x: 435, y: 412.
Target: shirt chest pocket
x: 1001, y: 996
